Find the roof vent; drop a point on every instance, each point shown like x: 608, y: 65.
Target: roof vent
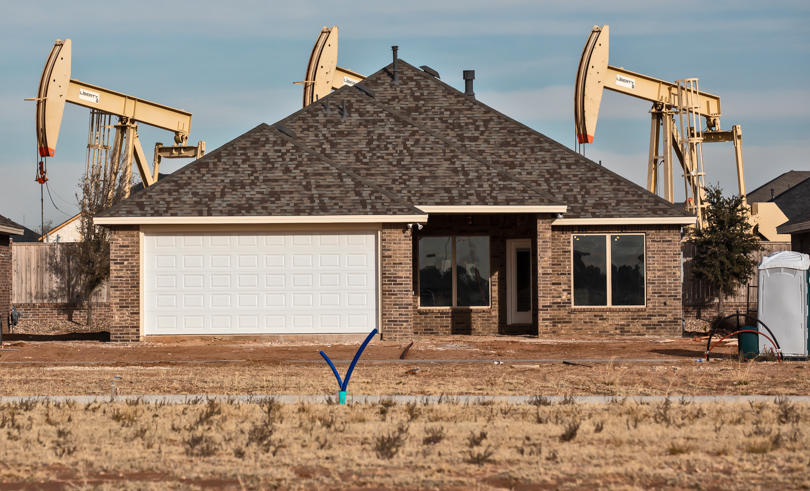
x: 362, y: 88
x: 396, y: 70
x: 469, y: 76
x: 430, y: 71
x: 286, y: 131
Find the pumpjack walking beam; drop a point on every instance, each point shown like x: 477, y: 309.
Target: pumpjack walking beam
x: 669, y: 100
x: 57, y: 88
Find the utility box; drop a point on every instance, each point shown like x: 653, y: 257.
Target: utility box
x: 783, y: 301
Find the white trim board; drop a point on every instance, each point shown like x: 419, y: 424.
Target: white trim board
x: 228, y: 220
x: 494, y: 209
x: 11, y: 230
x: 626, y: 221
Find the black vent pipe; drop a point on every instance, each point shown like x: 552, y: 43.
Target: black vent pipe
x: 396, y: 69
x: 469, y: 76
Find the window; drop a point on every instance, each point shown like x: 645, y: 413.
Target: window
x: 597, y: 285
x: 454, y: 271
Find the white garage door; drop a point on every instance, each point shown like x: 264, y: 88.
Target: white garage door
x: 267, y: 283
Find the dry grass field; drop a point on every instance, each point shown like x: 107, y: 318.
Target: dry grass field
x: 265, y: 444
x: 269, y: 445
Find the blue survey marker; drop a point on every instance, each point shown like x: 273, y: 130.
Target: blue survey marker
x: 345, y: 383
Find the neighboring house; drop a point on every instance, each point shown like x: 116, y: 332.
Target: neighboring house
x: 777, y: 186
x: 408, y: 206
x: 799, y: 230
x: 27, y: 235
x: 68, y: 231
x: 795, y: 201
x: 775, y: 202
x: 7, y: 229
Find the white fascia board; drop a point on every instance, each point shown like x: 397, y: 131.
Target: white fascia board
x: 626, y: 221
x: 494, y: 209
x: 258, y: 220
x: 11, y: 230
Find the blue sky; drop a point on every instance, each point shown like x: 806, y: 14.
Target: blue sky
x: 233, y: 64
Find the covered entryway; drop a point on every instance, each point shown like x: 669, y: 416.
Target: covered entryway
x: 260, y: 283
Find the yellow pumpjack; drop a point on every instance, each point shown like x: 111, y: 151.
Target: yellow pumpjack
x: 57, y: 88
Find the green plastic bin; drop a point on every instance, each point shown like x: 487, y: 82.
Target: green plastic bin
x: 749, y: 342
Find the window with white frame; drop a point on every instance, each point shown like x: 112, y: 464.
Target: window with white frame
x: 608, y: 270
x: 454, y: 272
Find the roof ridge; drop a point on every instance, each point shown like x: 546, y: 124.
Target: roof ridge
x: 780, y: 176
x: 461, y: 148
x: 352, y: 174
x: 584, y: 160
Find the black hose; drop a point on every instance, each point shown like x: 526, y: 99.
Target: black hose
x: 724, y: 319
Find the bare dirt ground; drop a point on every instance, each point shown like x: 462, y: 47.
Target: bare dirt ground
x: 266, y: 445
x: 65, y: 363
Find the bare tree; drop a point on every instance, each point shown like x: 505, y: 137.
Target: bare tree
x: 82, y: 267
x: 63, y: 266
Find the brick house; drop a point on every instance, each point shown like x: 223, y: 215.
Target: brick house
x: 7, y: 229
x: 799, y: 230
x: 404, y: 205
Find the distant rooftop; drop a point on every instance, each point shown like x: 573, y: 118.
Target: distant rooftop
x: 777, y: 186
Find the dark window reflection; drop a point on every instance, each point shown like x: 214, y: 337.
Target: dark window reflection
x: 590, y: 270
x: 627, y: 269
x: 435, y: 271
x: 472, y: 271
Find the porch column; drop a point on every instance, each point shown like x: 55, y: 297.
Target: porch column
x: 545, y: 298
x: 125, y: 283
x: 397, y: 302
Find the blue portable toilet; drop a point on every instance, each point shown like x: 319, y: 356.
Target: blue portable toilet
x: 783, y: 301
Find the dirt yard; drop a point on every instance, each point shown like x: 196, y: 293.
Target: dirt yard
x: 56, y: 365
x: 450, y: 446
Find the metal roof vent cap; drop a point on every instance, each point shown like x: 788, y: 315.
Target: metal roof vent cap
x: 469, y: 76
x: 430, y: 71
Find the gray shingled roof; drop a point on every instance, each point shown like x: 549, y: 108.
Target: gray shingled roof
x: 779, y: 185
x: 799, y: 224
x: 417, y: 143
x: 795, y: 201
x: 8, y: 227
x: 417, y: 164
x: 261, y: 173
x: 589, y: 190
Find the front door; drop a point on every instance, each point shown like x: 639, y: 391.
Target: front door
x: 519, y: 281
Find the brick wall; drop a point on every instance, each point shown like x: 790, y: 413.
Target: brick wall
x: 125, y: 300
x: 44, y: 312
x: 5, y: 280
x: 662, y: 314
x: 397, y: 292
x: 800, y: 242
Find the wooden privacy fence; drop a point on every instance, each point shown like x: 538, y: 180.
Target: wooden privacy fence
x: 34, y: 280
x: 696, y: 292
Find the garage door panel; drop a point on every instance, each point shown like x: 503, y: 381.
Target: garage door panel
x: 260, y: 283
